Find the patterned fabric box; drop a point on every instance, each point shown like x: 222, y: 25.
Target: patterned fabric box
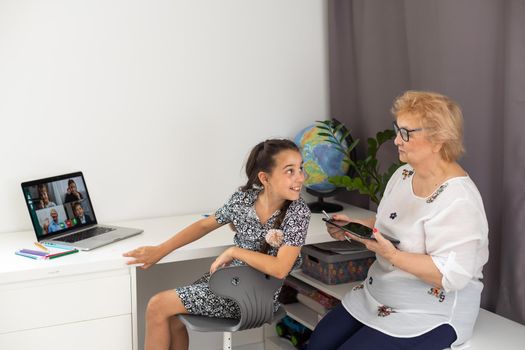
x: 338, y: 267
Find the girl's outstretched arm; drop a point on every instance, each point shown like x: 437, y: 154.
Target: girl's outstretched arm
x: 277, y: 266
x: 149, y: 255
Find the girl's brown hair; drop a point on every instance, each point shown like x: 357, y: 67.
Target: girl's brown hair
x: 262, y: 158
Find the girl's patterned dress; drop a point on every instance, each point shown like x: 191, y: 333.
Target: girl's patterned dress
x: 250, y: 234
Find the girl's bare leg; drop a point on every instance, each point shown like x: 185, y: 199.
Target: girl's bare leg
x: 159, y: 312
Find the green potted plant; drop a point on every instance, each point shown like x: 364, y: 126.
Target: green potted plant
x: 364, y: 175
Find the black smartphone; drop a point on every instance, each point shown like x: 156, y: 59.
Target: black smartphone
x: 359, y: 230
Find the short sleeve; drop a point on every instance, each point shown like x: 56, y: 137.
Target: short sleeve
x: 295, y: 223
x: 456, y: 239
x: 225, y: 214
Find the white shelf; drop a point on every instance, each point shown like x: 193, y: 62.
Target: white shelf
x: 302, y: 314
x: 278, y: 343
x: 336, y: 290
x: 298, y: 311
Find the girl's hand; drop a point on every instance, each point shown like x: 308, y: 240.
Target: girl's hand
x: 380, y: 245
x: 147, y: 256
x: 222, y: 260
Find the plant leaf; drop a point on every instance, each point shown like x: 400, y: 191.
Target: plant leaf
x: 372, y: 147
x: 344, y: 136
x: 352, y: 146
x: 322, y: 127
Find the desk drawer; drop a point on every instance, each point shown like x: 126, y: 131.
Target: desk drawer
x: 61, y: 300
x: 112, y: 333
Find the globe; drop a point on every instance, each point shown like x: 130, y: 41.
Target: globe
x: 321, y: 160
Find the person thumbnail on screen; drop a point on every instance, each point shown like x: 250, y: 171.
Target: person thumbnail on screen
x: 43, y: 197
x: 72, y: 194
x: 52, y: 219
x: 54, y: 224
x: 80, y: 216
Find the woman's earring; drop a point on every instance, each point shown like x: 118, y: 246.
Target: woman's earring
x: 257, y: 187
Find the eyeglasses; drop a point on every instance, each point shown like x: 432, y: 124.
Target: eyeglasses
x: 405, y: 133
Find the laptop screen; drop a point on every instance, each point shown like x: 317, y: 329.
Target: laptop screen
x: 58, y: 204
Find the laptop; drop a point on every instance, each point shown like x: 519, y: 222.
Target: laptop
x: 62, y: 213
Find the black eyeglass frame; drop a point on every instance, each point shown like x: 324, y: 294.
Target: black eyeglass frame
x: 404, y: 132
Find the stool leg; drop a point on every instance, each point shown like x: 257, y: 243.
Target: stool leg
x: 227, y: 341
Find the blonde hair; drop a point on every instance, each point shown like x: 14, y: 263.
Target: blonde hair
x: 440, y: 116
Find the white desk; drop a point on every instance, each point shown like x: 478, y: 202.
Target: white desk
x: 89, y: 299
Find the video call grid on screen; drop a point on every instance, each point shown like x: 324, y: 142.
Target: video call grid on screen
x: 58, y: 204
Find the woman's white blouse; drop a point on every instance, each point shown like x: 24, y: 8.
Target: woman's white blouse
x: 451, y: 227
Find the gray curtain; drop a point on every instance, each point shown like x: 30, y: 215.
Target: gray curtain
x: 472, y: 51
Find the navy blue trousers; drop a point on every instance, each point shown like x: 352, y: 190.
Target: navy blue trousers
x: 339, y: 330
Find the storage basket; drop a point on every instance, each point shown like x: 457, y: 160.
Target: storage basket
x: 335, y: 268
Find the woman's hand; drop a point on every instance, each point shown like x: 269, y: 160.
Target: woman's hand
x: 341, y: 220
x: 335, y: 231
x: 380, y: 245
x: 222, y: 260
x: 147, y: 256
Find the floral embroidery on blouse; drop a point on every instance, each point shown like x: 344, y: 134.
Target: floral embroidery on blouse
x: 359, y: 286
x: 438, y: 293
x: 407, y: 173
x: 383, y: 310
x: 437, y: 193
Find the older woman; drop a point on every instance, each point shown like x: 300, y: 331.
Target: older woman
x: 425, y: 292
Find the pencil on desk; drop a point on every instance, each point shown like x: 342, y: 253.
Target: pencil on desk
x: 59, y: 246
x: 58, y: 255
x: 30, y: 256
x: 41, y: 246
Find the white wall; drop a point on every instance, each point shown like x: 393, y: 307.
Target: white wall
x: 157, y: 102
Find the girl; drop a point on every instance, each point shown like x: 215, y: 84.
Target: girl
x: 270, y: 221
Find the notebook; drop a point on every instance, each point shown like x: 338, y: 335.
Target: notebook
x: 62, y: 213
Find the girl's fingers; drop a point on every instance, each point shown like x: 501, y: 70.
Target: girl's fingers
x: 132, y: 253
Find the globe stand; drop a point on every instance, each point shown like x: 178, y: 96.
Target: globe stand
x: 320, y: 205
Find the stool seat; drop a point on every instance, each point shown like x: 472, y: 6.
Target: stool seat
x: 213, y: 324
x: 208, y: 324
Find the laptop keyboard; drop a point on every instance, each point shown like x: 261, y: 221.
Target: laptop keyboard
x: 92, y: 232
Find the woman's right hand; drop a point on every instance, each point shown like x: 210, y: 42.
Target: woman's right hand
x: 147, y: 256
x: 335, y: 231
x: 343, y: 220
